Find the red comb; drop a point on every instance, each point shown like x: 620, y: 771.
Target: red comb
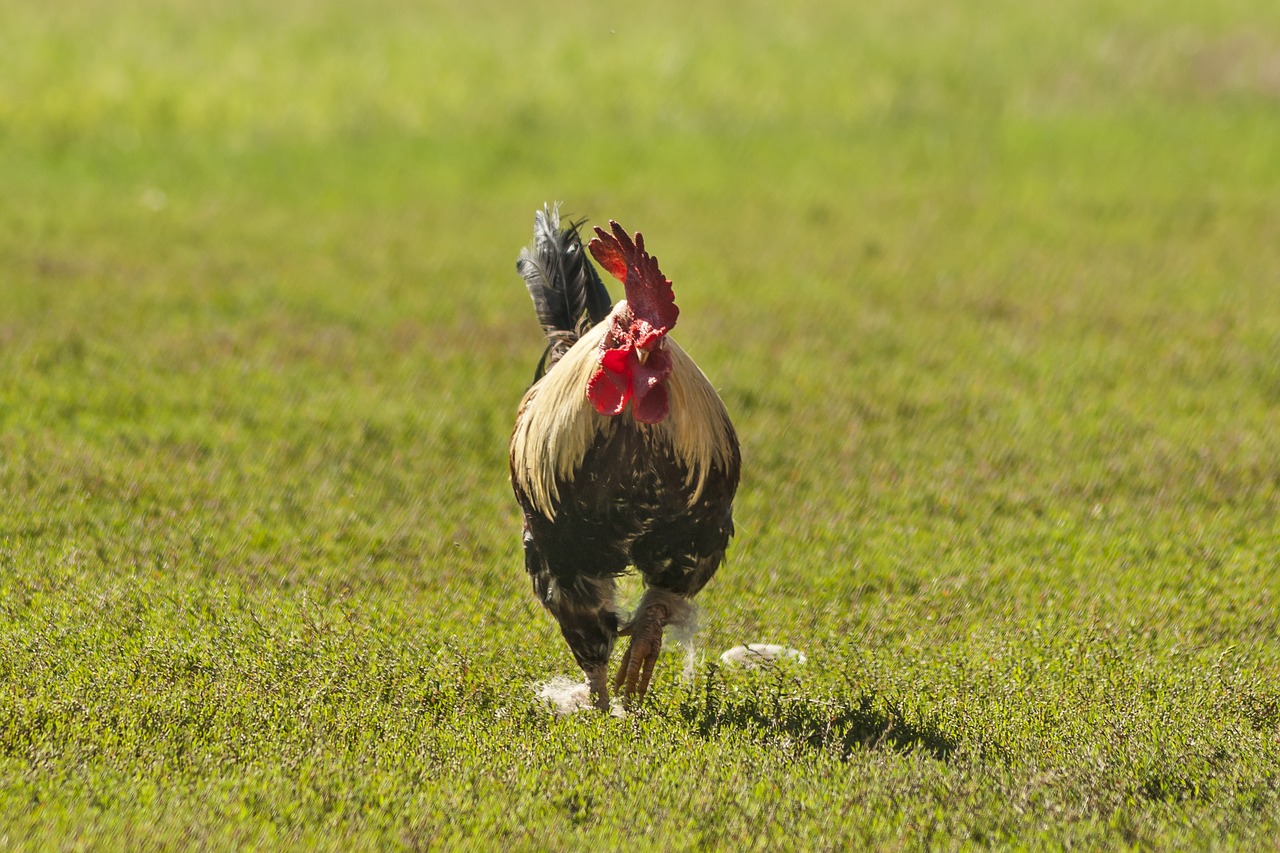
x: 649, y: 293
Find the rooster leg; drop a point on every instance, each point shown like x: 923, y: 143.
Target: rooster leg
x: 636, y: 668
x: 658, y: 608
x: 585, y: 611
x: 584, y: 608
x: 598, y: 682
x: 589, y: 632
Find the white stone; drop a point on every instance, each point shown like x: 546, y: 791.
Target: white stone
x: 761, y: 654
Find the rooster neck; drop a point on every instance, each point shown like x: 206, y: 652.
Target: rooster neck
x: 557, y: 425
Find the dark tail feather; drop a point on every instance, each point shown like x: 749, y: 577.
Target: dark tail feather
x: 567, y: 293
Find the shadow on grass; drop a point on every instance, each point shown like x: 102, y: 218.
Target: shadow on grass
x: 839, y: 726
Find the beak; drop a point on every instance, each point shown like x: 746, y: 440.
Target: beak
x: 642, y: 354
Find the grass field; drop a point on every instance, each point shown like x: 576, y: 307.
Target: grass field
x: 992, y: 291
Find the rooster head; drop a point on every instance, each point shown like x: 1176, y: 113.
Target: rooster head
x: 634, y: 361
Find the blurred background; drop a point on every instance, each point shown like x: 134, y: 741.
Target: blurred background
x: 991, y: 288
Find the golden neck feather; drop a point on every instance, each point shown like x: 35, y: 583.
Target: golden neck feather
x: 557, y: 424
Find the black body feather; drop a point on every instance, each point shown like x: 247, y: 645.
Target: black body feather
x: 629, y: 507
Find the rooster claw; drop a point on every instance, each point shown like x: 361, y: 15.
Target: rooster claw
x: 636, y: 668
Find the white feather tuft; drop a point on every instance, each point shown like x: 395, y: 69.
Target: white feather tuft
x: 564, y: 696
x: 683, y: 625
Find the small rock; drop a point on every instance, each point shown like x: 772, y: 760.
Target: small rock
x: 761, y: 654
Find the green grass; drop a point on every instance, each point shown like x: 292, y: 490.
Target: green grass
x: 992, y: 291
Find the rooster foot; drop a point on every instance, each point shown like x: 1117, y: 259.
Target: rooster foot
x: 638, y: 661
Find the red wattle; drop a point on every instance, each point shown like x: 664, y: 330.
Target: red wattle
x: 606, y: 394
x: 616, y: 360
x: 652, y: 407
x: 623, y: 378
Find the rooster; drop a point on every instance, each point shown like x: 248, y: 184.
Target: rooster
x: 622, y: 455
